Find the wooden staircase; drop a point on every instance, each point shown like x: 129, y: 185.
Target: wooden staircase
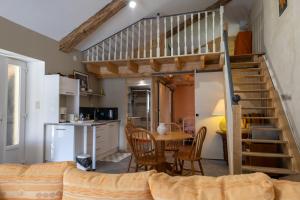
x: 267, y: 145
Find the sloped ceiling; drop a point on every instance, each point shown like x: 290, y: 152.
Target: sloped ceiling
x: 56, y: 18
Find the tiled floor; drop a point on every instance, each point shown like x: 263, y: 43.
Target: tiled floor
x: 211, y: 167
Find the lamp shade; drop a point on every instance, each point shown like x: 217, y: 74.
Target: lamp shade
x: 219, y: 109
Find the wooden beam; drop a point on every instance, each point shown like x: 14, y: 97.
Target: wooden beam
x: 155, y: 65
x: 195, y: 17
x: 202, y: 62
x: 132, y: 66
x: 93, y: 68
x: 178, y: 63
x: 89, y: 26
x: 112, y: 68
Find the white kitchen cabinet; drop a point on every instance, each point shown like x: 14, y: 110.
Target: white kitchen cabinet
x: 68, y: 86
x: 107, y: 139
x: 60, y: 92
x: 113, y: 134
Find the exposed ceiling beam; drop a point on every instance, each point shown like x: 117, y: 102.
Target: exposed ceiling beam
x: 178, y: 63
x: 113, y: 68
x: 89, y: 26
x: 155, y: 65
x: 195, y: 17
x: 132, y: 66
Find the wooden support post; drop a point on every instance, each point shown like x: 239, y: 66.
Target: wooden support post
x: 155, y: 65
x: 132, y: 66
x: 112, y: 68
x: 178, y: 63
x: 202, y: 62
x: 237, y: 139
x: 222, y: 60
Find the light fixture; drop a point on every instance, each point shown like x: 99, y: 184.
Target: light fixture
x: 132, y: 4
x: 220, y: 111
x: 142, y: 83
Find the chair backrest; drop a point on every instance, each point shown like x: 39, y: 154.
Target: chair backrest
x: 198, y: 143
x: 128, y: 130
x: 143, y: 144
x: 173, y: 127
x: 188, y: 125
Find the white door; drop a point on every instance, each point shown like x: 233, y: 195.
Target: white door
x: 209, y: 89
x: 12, y: 109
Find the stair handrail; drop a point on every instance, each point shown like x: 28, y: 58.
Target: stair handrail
x: 234, y: 98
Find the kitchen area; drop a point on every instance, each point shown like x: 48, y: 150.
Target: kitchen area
x: 71, y: 130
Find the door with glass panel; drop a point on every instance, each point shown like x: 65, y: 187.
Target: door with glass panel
x: 12, y: 109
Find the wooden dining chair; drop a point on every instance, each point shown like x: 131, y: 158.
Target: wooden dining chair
x: 192, y: 153
x: 145, y: 150
x: 128, y: 129
x: 173, y: 145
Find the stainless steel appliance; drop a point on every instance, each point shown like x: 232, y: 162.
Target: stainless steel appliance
x: 139, y: 106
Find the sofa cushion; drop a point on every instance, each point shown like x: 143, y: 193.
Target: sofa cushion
x: 38, y: 181
x: 247, y: 187
x: 92, y: 185
x: 257, y: 186
x: 164, y: 187
x: 286, y: 190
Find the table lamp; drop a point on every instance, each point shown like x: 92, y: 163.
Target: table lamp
x: 219, y: 110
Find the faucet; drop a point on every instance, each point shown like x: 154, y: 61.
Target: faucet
x: 95, y: 114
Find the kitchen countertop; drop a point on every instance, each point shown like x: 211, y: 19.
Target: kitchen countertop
x: 85, y: 123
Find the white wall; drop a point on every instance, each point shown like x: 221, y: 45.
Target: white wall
x: 116, y: 96
x: 281, y: 36
x: 209, y: 89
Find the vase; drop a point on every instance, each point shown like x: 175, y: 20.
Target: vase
x: 161, y: 129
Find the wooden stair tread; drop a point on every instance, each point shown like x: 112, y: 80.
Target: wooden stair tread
x: 258, y: 108
x: 255, y: 99
x: 267, y: 128
x: 247, y: 55
x: 249, y: 69
x: 238, y: 64
x: 259, y: 117
x: 247, y: 130
x: 265, y: 141
x: 247, y: 76
x: 249, y: 83
x: 255, y: 90
x: 270, y: 170
x: 263, y: 154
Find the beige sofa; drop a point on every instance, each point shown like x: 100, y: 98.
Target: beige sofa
x: 63, y: 181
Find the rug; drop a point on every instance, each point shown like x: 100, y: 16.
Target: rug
x: 116, y: 157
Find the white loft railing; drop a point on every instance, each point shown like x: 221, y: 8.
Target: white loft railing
x: 174, y: 35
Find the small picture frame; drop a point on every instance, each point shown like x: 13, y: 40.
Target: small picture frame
x: 83, y: 80
x: 282, y: 6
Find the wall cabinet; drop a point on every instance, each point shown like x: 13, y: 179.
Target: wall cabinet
x: 68, y: 86
x: 60, y: 92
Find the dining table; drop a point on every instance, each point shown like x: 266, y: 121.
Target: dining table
x: 170, y: 136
